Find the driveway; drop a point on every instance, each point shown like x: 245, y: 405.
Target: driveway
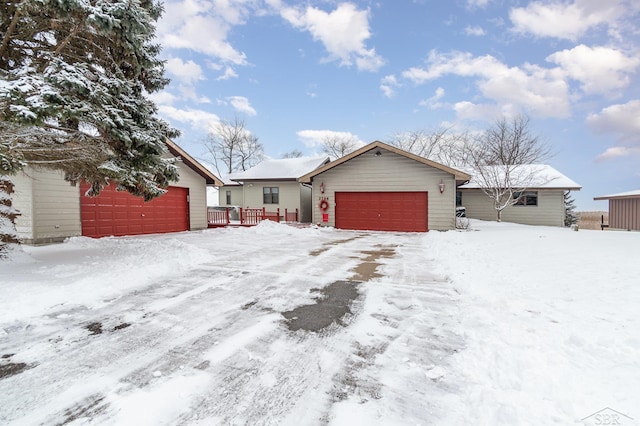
x: 269, y: 325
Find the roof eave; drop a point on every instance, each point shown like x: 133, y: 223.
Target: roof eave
x: 265, y: 179
x: 177, y: 151
x: 459, y: 175
x: 614, y: 197
x: 531, y: 188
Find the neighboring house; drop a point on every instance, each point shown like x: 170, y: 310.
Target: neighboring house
x: 52, y: 209
x: 273, y: 184
x: 624, y: 210
x: 542, y: 203
x: 381, y: 187
x: 230, y: 193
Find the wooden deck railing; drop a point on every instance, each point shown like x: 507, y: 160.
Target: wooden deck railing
x: 217, y: 217
x: 274, y: 216
x: 290, y: 216
x: 248, y: 216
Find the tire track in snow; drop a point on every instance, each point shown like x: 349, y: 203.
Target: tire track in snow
x: 216, y: 337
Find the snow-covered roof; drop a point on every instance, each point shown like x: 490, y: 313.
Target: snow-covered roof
x: 541, y: 176
x: 282, y: 168
x: 628, y: 194
x: 228, y: 182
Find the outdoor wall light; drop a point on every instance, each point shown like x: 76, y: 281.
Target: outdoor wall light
x: 378, y: 153
x: 441, y: 186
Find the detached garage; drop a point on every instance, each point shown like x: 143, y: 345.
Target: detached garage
x: 52, y: 209
x: 380, y: 187
x: 120, y: 213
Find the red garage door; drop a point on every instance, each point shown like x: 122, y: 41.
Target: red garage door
x: 120, y: 213
x: 382, y: 211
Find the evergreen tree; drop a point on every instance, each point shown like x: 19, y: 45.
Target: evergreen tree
x: 74, y: 79
x: 570, y: 215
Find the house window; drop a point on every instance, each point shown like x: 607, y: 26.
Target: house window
x: 228, y: 198
x: 527, y: 198
x: 270, y: 195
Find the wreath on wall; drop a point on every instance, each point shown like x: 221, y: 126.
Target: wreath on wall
x: 324, y: 205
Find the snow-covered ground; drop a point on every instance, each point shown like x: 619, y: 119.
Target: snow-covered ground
x: 501, y: 324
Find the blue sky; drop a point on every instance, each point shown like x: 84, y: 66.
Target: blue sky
x: 298, y: 71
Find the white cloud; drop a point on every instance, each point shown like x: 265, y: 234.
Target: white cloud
x: 622, y: 120
x: 618, y: 152
x: 162, y: 98
x: 228, y: 73
x: 474, y: 31
x: 600, y: 70
x: 203, y: 26
x: 241, y: 104
x: 565, y: 20
x: 232, y: 11
x: 315, y: 138
x: 541, y: 92
x: 186, y: 72
x: 388, y: 91
x: 197, y: 118
x: 466, y: 110
x: 388, y: 85
x: 434, y: 101
x: 343, y: 33
x: 311, y: 91
x: 477, y: 3
x: 459, y: 63
x: 190, y: 93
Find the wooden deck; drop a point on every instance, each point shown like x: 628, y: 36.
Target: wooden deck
x: 248, y: 217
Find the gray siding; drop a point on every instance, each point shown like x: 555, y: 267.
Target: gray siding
x: 624, y: 214
x: 236, y: 195
x: 288, y: 194
x: 389, y: 172
x: 548, y: 212
x: 49, y: 206
x: 197, y: 196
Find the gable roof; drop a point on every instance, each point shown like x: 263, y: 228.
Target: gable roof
x: 188, y: 160
x: 628, y: 194
x: 542, y: 176
x: 459, y: 175
x: 280, y: 169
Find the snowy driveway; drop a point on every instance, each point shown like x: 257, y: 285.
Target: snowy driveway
x: 189, y: 329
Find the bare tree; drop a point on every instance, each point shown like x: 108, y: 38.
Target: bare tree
x: 232, y: 147
x: 511, y: 142
x: 296, y: 153
x: 250, y: 153
x: 442, y: 145
x: 337, y: 146
x: 503, y: 161
x: 420, y: 142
